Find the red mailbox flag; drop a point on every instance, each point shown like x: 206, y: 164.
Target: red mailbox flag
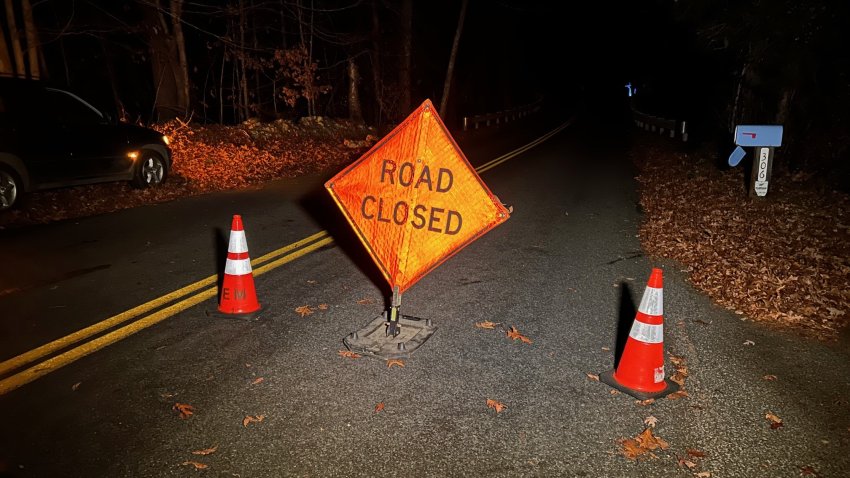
x: 414, y: 200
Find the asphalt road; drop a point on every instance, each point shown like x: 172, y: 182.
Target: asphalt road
x: 566, y: 270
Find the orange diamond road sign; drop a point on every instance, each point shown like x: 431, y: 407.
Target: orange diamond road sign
x: 414, y: 200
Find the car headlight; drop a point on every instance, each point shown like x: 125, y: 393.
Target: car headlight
x: 133, y: 155
x: 166, y: 140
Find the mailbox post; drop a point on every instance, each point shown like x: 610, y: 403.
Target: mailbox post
x: 764, y: 138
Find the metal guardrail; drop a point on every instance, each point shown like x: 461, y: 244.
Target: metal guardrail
x: 671, y: 127
x: 501, y: 117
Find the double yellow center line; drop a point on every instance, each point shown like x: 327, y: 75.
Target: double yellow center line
x: 208, y: 289
x: 269, y: 262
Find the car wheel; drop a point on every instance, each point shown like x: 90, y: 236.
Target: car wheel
x: 9, y: 189
x: 150, y: 171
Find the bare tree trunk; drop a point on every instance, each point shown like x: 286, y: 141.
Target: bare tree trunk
x: 734, y: 115
x: 221, y: 90
x: 243, y: 75
x: 355, y: 112
x: 110, y: 72
x: 406, y: 54
x: 6, y: 66
x: 282, y: 26
x: 376, y: 63
x: 311, y: 95
x: 14, y: 34
x: 183, y: 64
x: 450, y: 70
x: 168, y: 56
x: 256, y: 70
x: 234, y: 93
x: 32, y: 39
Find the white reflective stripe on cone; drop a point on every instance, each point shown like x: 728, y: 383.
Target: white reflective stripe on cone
x: 652, y: 302
x: 647, y: 333
x: 237, y: 267
x: 237, y: 242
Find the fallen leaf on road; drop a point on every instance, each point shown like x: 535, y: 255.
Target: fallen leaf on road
x: 514, y: 334
x: 75, y: 386
x: 592, y: 376
x: 770, y: 378
x: 348, y: 354
x: 379, y: 407
x: 775, y: 421
x: 808, y: 471
x: 641, y: 444
x: 606, y: 349
x: 685, y: 463
x: 198, y: 466
x: 366, y: 301
x: 643, y: 403
x: 703, y: 474
x: 677, y: 395
x: 257, y: 380
x: 651, y: 442
x: 650, y: 421
x: 185, y: 410
x: 392, y: 362
x: 304, y: 310
x: 252, y: 419
x: 486, y: 325
x: 702, y: 322
x: 206, y: 451
x: 749, y: 342
x: 677, y: 360
x: 695, y: 453
x: 323, y: 306
x: 614, y: 392
x: 498, y: 406
x: 310, y: 281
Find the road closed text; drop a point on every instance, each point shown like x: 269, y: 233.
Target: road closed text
x: 419, y: 216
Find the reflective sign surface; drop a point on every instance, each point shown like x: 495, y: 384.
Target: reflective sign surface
x: 414, y: 199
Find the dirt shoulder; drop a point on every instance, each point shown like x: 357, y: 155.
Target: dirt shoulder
x: 783, y: 260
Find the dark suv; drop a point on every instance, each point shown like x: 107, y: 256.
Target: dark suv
x: 51, y: 138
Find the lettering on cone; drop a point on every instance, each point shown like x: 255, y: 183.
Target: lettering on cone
x: 420, y: 216
x: 237, y: 293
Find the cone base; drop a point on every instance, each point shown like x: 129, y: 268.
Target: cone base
x: 608, y: 379
x: 243, y: 316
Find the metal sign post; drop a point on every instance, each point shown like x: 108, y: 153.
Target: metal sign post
x: 764, y: 138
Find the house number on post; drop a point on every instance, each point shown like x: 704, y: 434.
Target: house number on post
x: 762, y: 171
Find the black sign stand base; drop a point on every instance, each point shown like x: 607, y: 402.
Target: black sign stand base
x: 372, y: 340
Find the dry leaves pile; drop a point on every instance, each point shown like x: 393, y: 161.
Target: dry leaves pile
x: 210, y: 158
x: 782, y: 260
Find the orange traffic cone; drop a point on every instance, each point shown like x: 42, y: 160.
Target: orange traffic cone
x: 640, y: 372
x: 238, y: 297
